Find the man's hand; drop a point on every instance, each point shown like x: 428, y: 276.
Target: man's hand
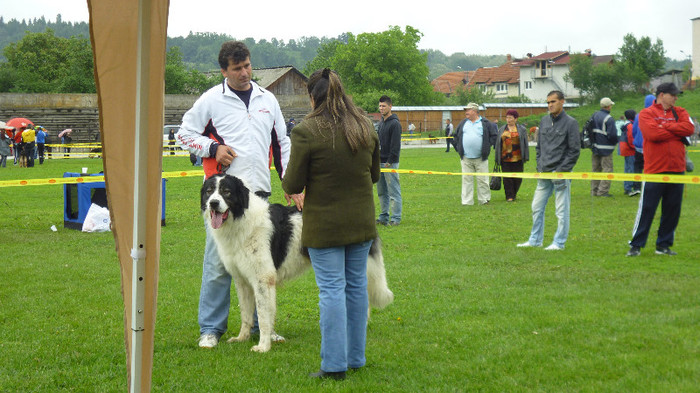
x: 225, y: 155
x: 297, y: 198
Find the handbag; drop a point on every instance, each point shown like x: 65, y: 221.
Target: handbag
x: 495, y: 183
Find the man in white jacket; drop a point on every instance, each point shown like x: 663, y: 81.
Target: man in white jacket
x: 233, y: 126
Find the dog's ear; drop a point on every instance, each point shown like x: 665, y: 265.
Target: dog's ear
x: 240, y: 196
x: 208, y: 187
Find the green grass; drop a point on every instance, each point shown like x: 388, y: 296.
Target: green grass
x: 472, y: 311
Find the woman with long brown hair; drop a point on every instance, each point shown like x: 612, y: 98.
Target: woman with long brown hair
x: 335, y: 159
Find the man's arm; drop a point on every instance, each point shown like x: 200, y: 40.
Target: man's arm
x: 395, y: 147
x: 573, y: 148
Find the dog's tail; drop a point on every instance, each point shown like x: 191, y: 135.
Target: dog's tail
x: 380, y: 295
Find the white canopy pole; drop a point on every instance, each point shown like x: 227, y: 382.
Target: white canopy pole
x: 138, y: 250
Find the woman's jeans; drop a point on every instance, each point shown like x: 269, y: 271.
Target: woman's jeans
x: 341, y: 276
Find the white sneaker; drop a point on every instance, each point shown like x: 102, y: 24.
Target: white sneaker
x: 526, y: 244
x: 553, y: 247
x: 208, y: 340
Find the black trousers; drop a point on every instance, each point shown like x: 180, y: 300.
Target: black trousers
x: 671, y: 196
x: 511, y: 185
x: 638, y: 168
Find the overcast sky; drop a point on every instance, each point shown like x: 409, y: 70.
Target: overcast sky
x: 514, y: 27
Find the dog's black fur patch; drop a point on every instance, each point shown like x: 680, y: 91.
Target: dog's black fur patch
x: 279, y: 243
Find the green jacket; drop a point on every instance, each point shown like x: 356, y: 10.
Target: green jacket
x: 339, y: 202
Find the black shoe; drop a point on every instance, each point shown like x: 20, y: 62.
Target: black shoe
x: 634, y: 251
x: 665, y: 251
x: 379, y: 222
x: 337, y: 375
x: 393, y: 224
x: 606, y: 195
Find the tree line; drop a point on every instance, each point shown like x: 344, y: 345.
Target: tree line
x: 56, y: 57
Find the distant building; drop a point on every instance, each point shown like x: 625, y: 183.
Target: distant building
x: 287, y: 84
x: 449, y: 82
x: 545, y: 72
x: 696, y: 49
x: 503, y: 81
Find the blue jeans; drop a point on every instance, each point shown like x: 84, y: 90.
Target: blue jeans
x: 389, y: 193
x: 562, y: 205
x: 341, y: 276
x: 215, y: 294
x: 629, y: 168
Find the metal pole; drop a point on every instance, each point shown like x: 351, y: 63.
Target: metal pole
x: 138, y: 250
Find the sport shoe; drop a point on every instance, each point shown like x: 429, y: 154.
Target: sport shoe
x: 526, y: 244
x: 665, y: 251
x: 553, y: 247
x: 393, y: 223
x: 634, y: 192
x: 379, y: 222
x: 208, y: 340
x: 634, y: 251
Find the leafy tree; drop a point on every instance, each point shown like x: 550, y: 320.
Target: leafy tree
x: 464, y: 95
x: 640, y: 60
x: 372, y: 64
x: 180, y: 80
x: 44, y: 63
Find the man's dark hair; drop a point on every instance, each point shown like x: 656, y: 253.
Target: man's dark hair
x: 235, y: 51
x: 558, y: 93
x: 385, y: 99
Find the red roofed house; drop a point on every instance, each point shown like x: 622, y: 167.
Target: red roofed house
x: 503, y: 81
x: 447, y: 83
x: 545, y: 72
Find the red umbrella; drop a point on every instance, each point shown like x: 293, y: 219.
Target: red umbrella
x: 64, y: 132
x: 19, y: 122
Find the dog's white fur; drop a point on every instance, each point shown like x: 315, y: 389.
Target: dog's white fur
x: 244, y: 248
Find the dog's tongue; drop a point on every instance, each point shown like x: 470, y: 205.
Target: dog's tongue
x: 218, y: 218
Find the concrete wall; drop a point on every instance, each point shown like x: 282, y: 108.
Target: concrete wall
x: 79, y: 112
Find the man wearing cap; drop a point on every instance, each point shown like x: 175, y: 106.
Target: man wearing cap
x: 603, y: 143
x: 665, y: 129
x: 473, y: 140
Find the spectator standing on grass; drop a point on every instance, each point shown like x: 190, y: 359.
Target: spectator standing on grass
x: 603, y: 143
x: 558, y: 148
x: 666, y: 129
x: 638, y: 141
x: 627, y: 151
x: 233, y: 126
x: 4, y: 148
x: 449, y: 128
x: 29, y: 142
x: 411, y: 128
x: 473, y: 140
x: 512, y: 152
x: 41, y: 135
x: 335, y: 157
x: 388, y: 187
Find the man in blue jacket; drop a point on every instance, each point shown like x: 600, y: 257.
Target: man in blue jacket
x: 388, y: 186
x: 603, y: 143
x: 473, y: 141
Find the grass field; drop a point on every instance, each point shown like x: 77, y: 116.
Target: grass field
x: 472, y: 311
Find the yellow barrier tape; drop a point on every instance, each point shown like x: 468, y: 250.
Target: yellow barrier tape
x: 637, y: 177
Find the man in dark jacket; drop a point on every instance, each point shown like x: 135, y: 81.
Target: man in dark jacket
x: 558, y: 148
x: 603, y: 143
x: 473, y: 141
x: 388, y: 187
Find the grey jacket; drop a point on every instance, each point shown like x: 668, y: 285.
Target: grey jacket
x: 4, y: 145
x: 558, y: 143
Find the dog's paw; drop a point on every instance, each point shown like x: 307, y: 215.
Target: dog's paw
x: 260, y: 348
x: 240, y: 338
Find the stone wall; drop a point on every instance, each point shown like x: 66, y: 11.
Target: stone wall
x: 79, y: 112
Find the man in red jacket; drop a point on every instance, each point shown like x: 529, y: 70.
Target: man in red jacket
x: 665, y: 128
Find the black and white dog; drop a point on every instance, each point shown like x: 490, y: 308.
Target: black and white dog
x: 260, y: 246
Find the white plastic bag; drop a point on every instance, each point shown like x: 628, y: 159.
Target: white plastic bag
x: 97, y: 219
